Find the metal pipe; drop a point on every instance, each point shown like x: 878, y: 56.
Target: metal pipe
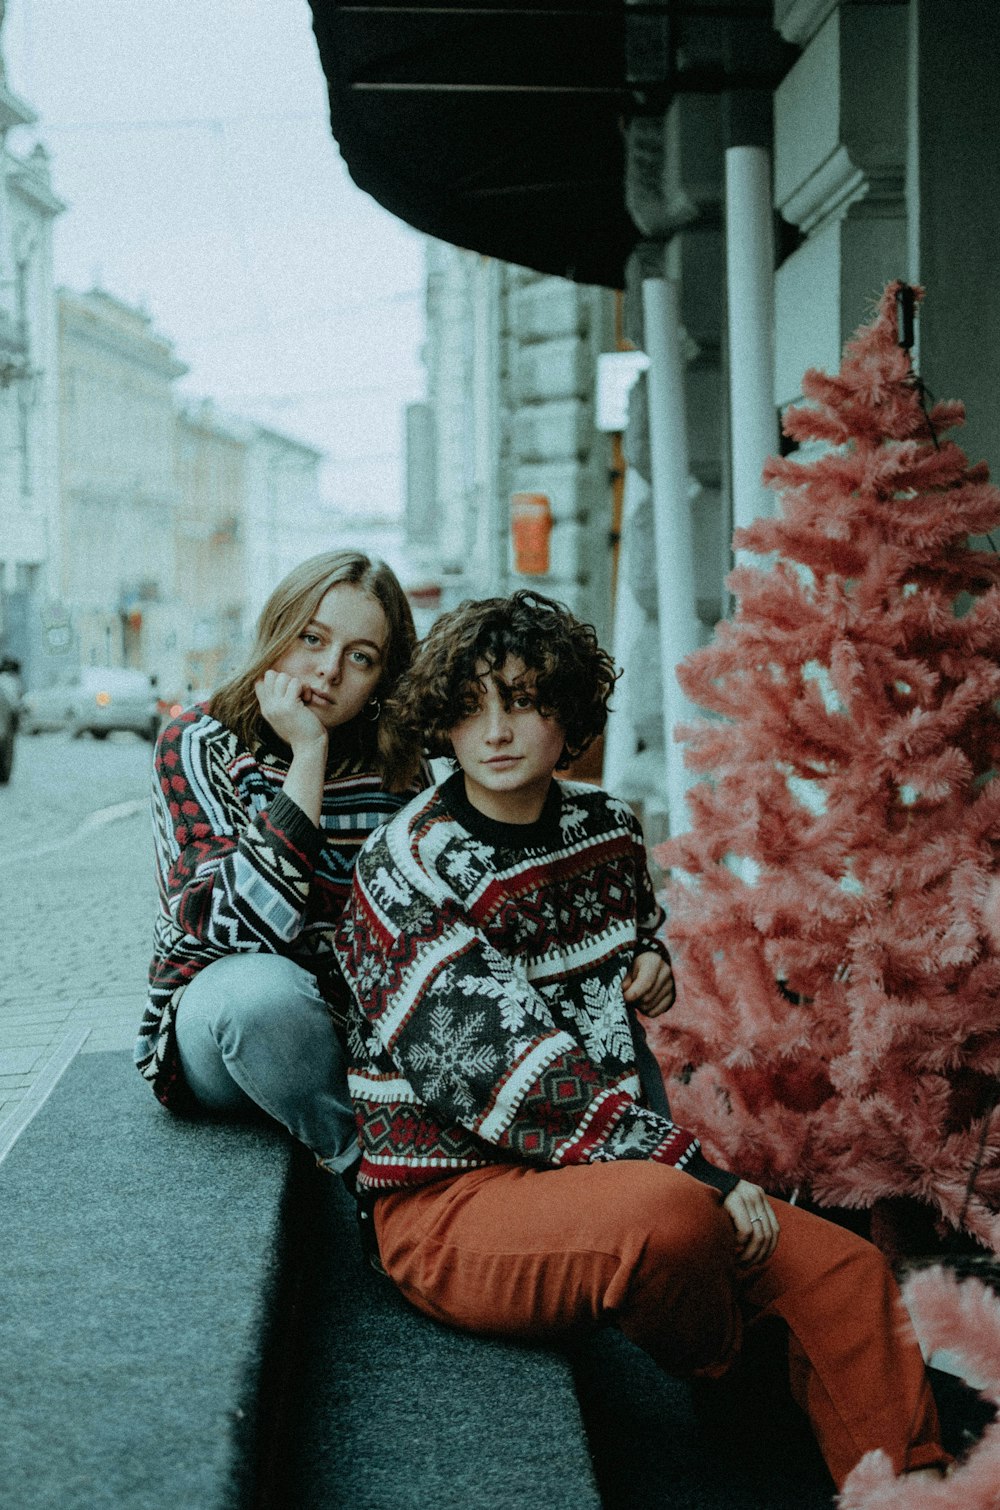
x: 619, y: 735
x: 672, y: 524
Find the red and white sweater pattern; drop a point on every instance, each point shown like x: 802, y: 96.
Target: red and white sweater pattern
x: 242, y: 869
x: 486, y: 961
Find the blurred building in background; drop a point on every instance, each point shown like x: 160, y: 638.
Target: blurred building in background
x: 119, y: 484
x: 512, y: 359
x: 285, y: 518
x: 209, y: 586
x: 29, y: 392
x: 176, y: 518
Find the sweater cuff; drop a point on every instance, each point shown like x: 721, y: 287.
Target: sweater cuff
x: 288, y: 818
x: 720, y: 1179
x: 652, y: 946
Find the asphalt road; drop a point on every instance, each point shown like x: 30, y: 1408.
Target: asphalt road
x: 76, y: 902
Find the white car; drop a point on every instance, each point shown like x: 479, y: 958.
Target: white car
x: 97, y: 700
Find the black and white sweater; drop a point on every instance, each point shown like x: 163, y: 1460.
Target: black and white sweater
x: 486, y: 961
x: 241, y: 868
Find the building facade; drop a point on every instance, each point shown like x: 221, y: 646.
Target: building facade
x: 511, y: 361
x: 119, y: 488
x: 29, y: 394
x: 285, y: 518
x: 775, y: 216
x: 781, y: 167
x: 176, y: 519
x: 208, y: 585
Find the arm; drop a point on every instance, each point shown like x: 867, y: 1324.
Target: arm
x: 280, y: 698
x: 478, y: 1044
x: 232, y: 879
x: 756, y: 1224
x: 649, y: 985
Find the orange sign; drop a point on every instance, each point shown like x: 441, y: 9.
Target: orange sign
x: 530, y: 527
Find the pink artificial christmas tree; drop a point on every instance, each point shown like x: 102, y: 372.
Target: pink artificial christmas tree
x: 837, y: 1030
x: 964, y: 1319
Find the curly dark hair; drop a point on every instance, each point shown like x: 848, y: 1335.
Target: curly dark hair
x: 573, y: 677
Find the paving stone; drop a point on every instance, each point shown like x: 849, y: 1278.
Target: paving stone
x: 19, y: 1061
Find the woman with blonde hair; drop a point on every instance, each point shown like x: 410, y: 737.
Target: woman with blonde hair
x: 262, y: 798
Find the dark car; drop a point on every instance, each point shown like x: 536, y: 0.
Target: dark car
x: 10, y: 709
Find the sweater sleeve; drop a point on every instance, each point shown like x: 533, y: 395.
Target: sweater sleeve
x: 232, y: 879
x: 650, y: 916
x: 478, y: 1044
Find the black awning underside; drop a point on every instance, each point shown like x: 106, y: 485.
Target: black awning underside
x: 495, y: 128
x: 500, y: 126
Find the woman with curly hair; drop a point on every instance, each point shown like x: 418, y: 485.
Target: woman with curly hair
x: 262, y: 798
x: 519, y: 1182
x: 572, y: 677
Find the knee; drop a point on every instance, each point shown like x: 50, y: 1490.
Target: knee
x: 267, y: 995
x: 696, y: 1226
x: 678, y: 1219
x: 679, y: 1302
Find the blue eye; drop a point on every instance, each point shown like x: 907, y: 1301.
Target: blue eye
x: 309, y: 638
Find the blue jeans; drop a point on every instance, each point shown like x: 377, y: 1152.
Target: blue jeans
x: 254, y: 1031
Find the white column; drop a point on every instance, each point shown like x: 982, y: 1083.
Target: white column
x: 750, y: 300
x: 673, y: 534
x: 488, y: 566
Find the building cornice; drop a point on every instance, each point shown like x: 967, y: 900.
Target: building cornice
x: 13, y: 110
x: 26, y: 182
x: 202, y: 416
x: 276, y: 439
x: 117, y: 328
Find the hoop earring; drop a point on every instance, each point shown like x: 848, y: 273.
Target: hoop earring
x: 373, y: 702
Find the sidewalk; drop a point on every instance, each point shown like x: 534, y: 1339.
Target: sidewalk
x: 77, y: 929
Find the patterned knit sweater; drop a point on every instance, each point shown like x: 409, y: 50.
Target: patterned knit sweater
x: 241, y: 868
x: 486, y: 960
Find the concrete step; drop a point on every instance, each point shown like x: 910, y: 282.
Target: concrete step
x: 187, y: 1321
x: 388, y: 1410
x: 141, y: 1267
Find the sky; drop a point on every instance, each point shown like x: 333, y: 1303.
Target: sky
x: 191, y: 144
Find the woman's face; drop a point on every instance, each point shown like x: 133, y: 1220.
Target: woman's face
x: 338, y: 656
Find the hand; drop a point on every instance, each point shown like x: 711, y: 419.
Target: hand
x: 649, y: 985
x: 283, y: 702
x: 755, y: 1222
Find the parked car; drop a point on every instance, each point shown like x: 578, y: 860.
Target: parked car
x: 168, y: 707
x: 10, y: 711
x: 96, y: 700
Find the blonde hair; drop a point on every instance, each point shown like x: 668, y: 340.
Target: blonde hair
x: 393, y: 750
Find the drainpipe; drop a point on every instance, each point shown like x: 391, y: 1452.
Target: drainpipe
x: 750, y: 299
x: 629, y: 620
x: 673, y: 489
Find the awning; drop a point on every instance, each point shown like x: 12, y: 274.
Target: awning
x: 500, y: 127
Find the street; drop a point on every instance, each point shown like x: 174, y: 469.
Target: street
x: 76, y: 903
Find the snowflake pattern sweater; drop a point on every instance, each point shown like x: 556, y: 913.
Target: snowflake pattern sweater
x: 486, y: 960
x: 241, y: 868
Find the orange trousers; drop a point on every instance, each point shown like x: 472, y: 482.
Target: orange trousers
x: 536, y: 1253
